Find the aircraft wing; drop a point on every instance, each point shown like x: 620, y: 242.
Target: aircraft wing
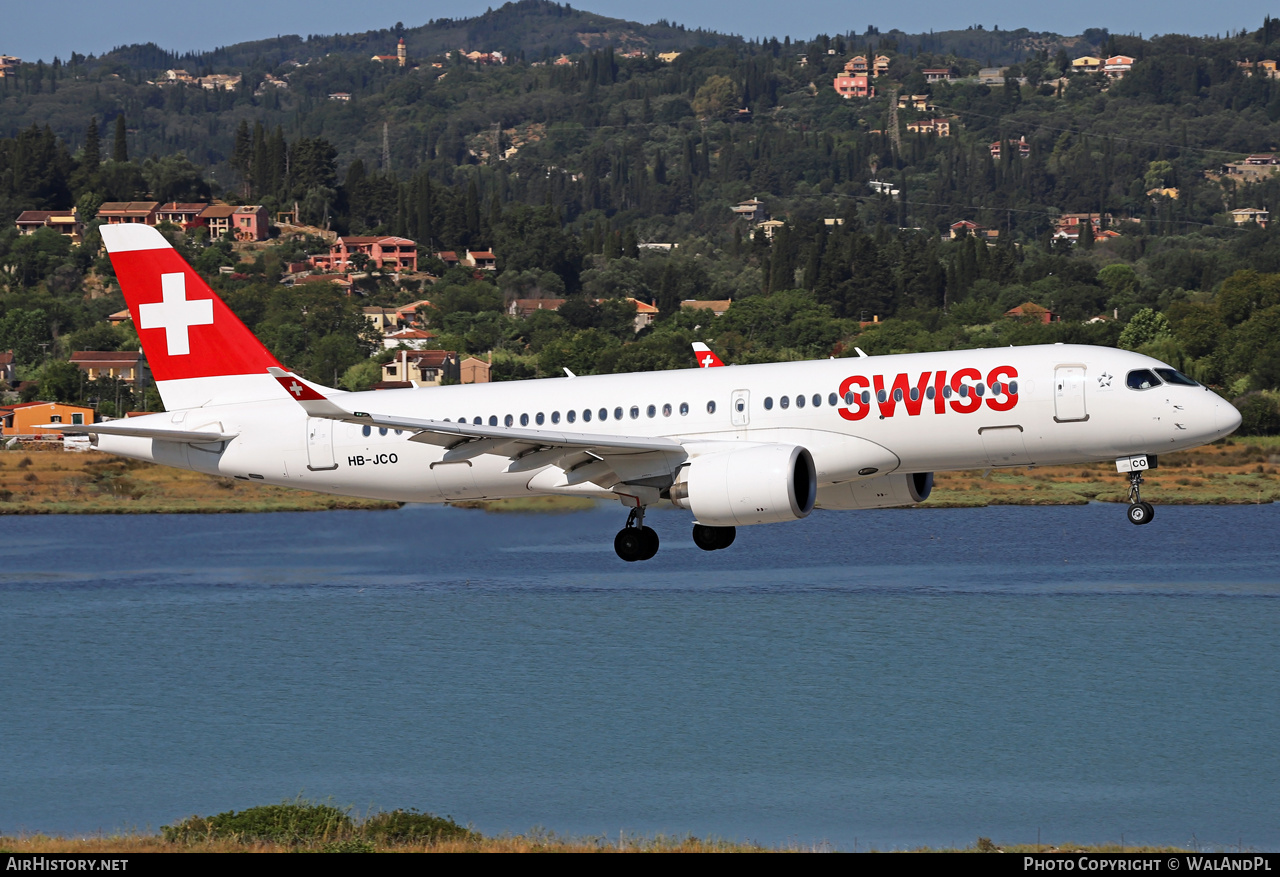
x: 189, y: 436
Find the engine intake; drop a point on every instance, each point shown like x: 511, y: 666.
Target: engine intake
x: 764, y: 484
x: 877, y: 493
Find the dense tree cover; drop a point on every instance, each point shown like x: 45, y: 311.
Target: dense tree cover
x: 567, y: 170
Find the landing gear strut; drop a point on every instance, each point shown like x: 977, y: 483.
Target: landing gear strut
x: 635, y: 541
x: 713, y: 538
x: 1139, y: 512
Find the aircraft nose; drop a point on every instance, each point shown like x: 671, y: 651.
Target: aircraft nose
x: 1226, y: 417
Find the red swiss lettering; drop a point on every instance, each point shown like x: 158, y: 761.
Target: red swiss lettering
x: 972, y: 401
x: 939, y: 399
x: 860, y: 408
x: 901, y: 388
x: 1002, y: 374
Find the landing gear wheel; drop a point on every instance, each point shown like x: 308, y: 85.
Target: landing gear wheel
x: 1141, y: 513
x: 635, y: 541
x: 713, y: 538
x: 648, y: 543
x: 629, y: 544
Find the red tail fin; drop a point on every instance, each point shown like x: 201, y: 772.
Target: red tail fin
x: 190, y: 337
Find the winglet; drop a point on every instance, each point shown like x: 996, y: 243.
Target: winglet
x: 705, y: 357
x: 314, y: 402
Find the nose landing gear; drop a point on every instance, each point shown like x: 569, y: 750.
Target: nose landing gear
x: 1139, y: 512
x: 635, y: 541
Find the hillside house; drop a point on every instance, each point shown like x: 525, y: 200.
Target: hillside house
x: 1246, y: 215
x: 966, y: 227
x: 482, y: 260
x: 917, y: 102
x: 936, y: 127
x: 66, y: 222
x: 1033, y: 313
x: 408, y: 336
x: 474, y: 371
x: 124, y: 212
x: 184, y: 215
x: 523, y: 307
x: 1117, y: 66
x: 850, y: 86
x: 9, y: 65
x: 1086, y: 64
x: 997, y: 148
x: 419, y: 368
x: 716, y: 308
x: 938, y: 74
x: 23, y: 418
x: 392, y: 253
x: 8, y: 368
x: 129, y: 366
x: 753, y: 211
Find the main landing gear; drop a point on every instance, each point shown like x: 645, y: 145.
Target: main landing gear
x: 713, y: 538
x: 635, y: 541
x: 1139, y: 512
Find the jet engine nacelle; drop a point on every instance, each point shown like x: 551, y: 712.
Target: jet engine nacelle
x: 877, y: 493
x: 765, y: 484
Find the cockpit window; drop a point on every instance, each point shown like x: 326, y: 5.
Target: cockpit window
x: 1173, y: 376
x: 1142, y: 379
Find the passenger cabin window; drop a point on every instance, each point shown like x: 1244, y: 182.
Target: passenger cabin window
x: 539, y: 418
x: 366, y: 430
x: 666, y: 410
x: 651, y: 410
x: 555, y: 416
x: 1173, y: 376
x: 799, y: 401
x: 635, y: 412
x: 508, y: 420
x: 711, y: 407
x: 784, y: 402
x: 604, y: 413
x: 524, y: 419
x: 1141, y: 379
x: 493, y: 420
x: 768, y: 403
x: 832, y: 400
x: 684, y: 408
x: 817, y: 400
x: 586, y: 415
x: 617, y: 414
x: 571, y: 415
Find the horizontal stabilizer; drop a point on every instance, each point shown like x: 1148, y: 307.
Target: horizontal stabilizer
x: 312, y: 400
x: 189, y: 436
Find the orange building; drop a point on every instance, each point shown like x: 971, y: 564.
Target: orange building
x: 23, y: 418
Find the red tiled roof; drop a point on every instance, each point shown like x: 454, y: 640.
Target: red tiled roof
x: 216, y: 211
x: 128, y: 207
x: 178, y: 207
x: 33, y: 216
x: 99, y: 357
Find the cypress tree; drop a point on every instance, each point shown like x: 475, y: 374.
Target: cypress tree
x: 121, y: 150
x: 92, y: 146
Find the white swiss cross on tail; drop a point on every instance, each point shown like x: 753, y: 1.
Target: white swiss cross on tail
x: 176, y: 314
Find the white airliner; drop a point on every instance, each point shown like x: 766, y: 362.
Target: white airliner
x: 752, y: 444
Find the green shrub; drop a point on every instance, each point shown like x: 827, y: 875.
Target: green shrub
x: 349, y: 846
x: 291, y: 822
x: 410, y: 826
x: 1259, y: 415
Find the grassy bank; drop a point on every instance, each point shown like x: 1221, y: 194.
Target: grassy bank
x: 42, y: 481
x: 1229, y: 472
x: 534, y: 842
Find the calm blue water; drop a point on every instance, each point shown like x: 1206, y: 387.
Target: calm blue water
x: 892, y: 678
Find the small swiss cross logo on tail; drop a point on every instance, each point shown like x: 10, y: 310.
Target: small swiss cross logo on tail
x: 296, y: 388
x: 176, y: 314
x: 705, y: 357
